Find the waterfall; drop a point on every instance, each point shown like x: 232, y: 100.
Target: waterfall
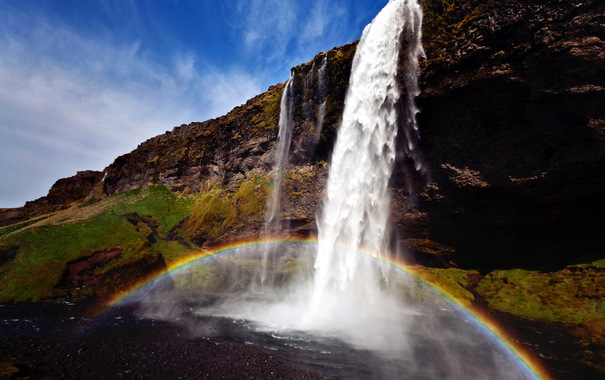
x: 322, y: 92
x: 307, y: 90
x: 284, y: 140
x: 356, y: 206
x: 348, y: 295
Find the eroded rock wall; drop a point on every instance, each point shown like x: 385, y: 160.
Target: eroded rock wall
x: 513, y: 117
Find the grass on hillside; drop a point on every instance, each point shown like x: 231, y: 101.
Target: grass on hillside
x: 16, y: 227
x: 220, y: 209
x: 37, y: 270
x: 39, y: 267
x: 452, y: 281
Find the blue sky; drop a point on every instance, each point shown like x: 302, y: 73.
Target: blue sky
x: 84, y: 81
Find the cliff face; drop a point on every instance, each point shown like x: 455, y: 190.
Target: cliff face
x: 240, y: 143
x: 64, y: 193
x: 513, y: 122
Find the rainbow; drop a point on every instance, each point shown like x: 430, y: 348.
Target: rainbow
x: 532, y: 367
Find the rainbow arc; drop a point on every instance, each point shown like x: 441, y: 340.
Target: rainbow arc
x: 531, y: 365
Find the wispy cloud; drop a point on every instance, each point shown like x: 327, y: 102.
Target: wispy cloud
x: 69, y: 102
x: 290, y: 32
x: 268, y: 26
x: 326, y: 21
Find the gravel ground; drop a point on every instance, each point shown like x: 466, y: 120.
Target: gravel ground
x: 51, y: 341
x: 76, y: 341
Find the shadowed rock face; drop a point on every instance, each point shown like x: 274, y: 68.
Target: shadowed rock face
x: 513, y: 117
x: 80, y: 272
x: 91, y: 272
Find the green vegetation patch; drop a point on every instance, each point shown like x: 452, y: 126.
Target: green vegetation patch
x: 269, y: 104
x: 39, y: 267
x: 16, y: 227
x: 217, y: 210
x: 572, y: 295
x: 141, y: 223
x: 452, y: 281
x: 166, y: 207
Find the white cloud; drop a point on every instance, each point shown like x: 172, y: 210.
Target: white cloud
x: 268, y: 26
x: 70, y: 103
x: 317, y: 23
x: 74, y: 100
x: 225, y: 90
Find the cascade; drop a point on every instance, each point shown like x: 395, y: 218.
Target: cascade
x: 307, y: 90
x: 356, y: 206
x: 284, y: 140
x: 322, y: 92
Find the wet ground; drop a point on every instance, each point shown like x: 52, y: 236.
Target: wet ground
x: 76, y: 341
x: 67, y: 340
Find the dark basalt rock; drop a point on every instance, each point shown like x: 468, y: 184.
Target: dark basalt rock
x: 81, y: 274
x: 512, y: 121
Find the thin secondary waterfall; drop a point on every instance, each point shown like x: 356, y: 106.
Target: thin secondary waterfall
x: 284, y: 140
x: 356, y: 206
x: 322, y: 92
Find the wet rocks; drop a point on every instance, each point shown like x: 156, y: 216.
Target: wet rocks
x: 105, y: 274
x: 81, y: 272
x: 511, y: 108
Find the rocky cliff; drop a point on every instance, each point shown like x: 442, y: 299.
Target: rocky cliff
x: 513, y: 121
x: 240, y: 142
x: 63, y: 194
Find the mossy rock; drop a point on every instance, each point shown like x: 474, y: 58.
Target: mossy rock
x: 572, y: 295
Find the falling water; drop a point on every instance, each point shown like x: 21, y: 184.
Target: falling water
x: 307, y: 103
x: 356, y: 207
x: 284, y: 140
x: 322, y: 91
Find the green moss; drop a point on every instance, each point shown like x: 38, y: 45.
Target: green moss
x: 16, y: 227
x: 196, y: 277
x: 453, y: 281
x: 250, y: 198
x: 572, y: 295
x: 43, y: 251
x: 218, y: 210
x: 172, y: 250
x: 38, y: 268
x: 217, y: 275
x: 211, y: 214
x: 166, y: 207
x: 267, y: 110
